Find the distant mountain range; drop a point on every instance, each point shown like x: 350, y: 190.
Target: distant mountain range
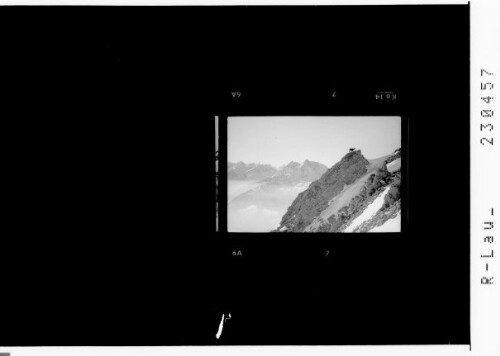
x: 249, y: 171
x: 259, y: 194
x: 293, y: 172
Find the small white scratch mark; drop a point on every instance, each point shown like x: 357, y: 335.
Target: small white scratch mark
x: 221, y: 325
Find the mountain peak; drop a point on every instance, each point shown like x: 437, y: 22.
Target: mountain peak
x: 353, y: 153
x: 293, y: 164
x: 250, y: 171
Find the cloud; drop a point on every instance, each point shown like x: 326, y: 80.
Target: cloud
x: 270, y: 212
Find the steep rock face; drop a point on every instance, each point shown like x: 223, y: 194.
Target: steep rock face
x: 355, y: 195
x: 384, y: 188
x: 310, y: 203
x: 380, y: 193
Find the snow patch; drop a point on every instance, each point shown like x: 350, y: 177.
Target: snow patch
x: 369, y: 211
x: 394, y: 165
x: 391, y: 225
x: 303, y: 185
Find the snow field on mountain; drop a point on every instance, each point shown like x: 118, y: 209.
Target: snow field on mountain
x: 391, y: 225
x: 394, y: 165
x: 369, y: 212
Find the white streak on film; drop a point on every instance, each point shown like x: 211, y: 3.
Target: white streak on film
x: 221, y: 325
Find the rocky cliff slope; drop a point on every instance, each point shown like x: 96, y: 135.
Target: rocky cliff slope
x: 355, y: 195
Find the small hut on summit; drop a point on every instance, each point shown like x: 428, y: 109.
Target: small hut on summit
x: 351, y: 149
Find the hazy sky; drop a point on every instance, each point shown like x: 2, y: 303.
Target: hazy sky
x: 279, y: 140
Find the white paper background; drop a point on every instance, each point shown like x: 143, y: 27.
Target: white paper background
x: 485, y: 177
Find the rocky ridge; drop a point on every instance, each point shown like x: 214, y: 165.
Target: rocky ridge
x: 344, y: 192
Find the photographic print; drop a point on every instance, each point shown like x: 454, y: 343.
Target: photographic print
x: 242, y: 176
x: 314, y: 174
